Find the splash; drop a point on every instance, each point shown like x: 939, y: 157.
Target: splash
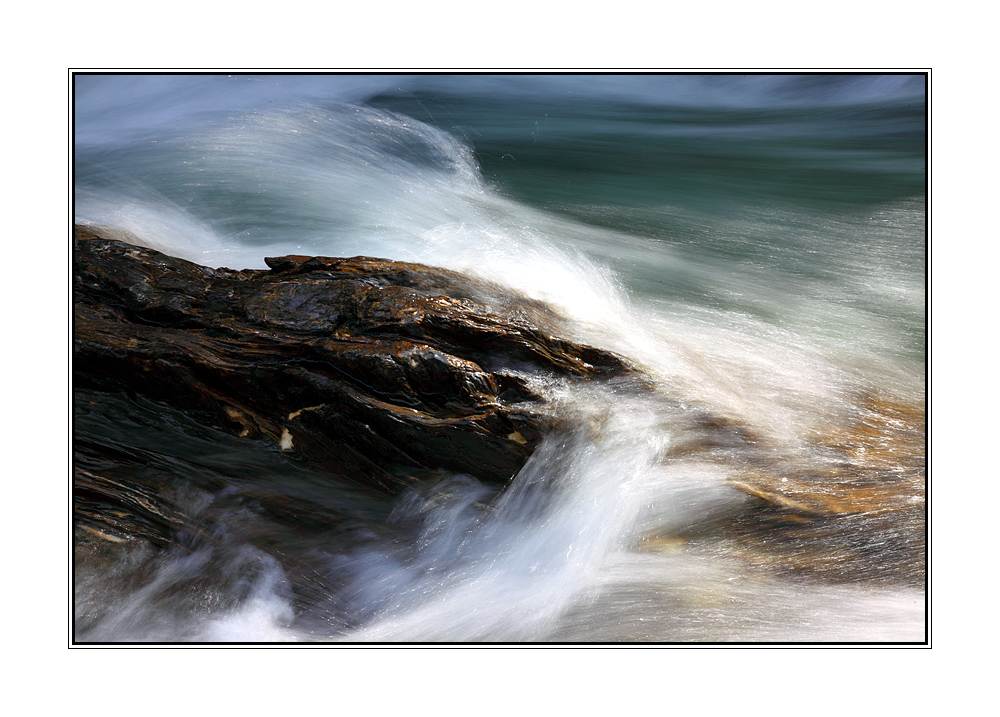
x: 763, y: 337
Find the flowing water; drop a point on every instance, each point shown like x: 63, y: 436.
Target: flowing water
x: 755, y: 243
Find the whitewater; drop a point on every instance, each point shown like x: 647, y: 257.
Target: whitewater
x: 749, y: 304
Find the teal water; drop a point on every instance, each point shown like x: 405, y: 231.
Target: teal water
x: 757, y: 243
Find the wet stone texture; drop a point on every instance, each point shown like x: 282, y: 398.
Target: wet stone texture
x: 309, y: 393
x: 372, y: 372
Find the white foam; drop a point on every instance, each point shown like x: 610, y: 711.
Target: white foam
x: 512, y: 572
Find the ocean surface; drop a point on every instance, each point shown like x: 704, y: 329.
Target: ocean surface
x: 755, y: 242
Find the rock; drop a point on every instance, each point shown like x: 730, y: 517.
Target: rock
x: 854, y: 511
x: 372, y: 371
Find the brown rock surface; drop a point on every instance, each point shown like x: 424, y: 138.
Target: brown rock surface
x: 372, y: 371
x: 265, y: 388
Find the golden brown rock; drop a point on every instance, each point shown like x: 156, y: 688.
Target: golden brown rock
x: 372, y: 371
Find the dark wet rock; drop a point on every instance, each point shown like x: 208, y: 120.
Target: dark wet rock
x: 370, y: 372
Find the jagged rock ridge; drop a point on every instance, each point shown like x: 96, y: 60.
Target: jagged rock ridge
x: 373, y: 371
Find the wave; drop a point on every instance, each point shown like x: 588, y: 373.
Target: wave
x: 784, y: 343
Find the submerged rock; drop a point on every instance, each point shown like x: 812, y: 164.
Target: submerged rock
x: 374, y: 372
x: 309, y: 393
